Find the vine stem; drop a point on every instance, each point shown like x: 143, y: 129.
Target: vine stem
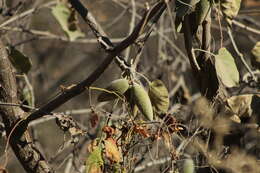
x: 239, y: 53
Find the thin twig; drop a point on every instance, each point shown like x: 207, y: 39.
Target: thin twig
x: 131, y: 28
x: 49, y: 35
x: 240, y: 54
x: 152, y: 163
x: 245, y: 27
x: 26, y: 13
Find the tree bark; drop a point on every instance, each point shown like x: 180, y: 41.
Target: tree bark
x: 26, y: 152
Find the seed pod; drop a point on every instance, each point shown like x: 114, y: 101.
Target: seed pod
x: 118, y: 86
x: 142, y: 101
x: 130, y: 99
x: 159, y: 96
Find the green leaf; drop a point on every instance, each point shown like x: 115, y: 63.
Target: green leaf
x: 256, y: 52
x: 188, y: 166
x: 130, y: 99
x: 94, y: 161
x: 27, y: 95
x: 21, y: 62
x: 159, y: 96
x: 68, y: 21
x: 230, y: 9
x: 202, y: 9
x: 226, y: 68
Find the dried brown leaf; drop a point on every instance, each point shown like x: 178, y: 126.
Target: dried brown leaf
x: 112, y: 151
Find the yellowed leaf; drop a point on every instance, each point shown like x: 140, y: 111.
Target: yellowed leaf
x: 159, y: 96
x: 95, y: 169
x: 230, y: 9
x: 112, y: 151
x: 67, y: 19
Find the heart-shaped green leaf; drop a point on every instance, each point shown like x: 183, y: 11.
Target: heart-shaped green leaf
x: 226, y: 68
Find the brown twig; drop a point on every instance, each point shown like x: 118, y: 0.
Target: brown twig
x: 24, y: 14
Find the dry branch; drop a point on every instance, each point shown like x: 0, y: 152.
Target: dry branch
x: 26, y: 152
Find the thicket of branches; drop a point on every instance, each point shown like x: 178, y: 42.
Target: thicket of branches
x: 130, y: 86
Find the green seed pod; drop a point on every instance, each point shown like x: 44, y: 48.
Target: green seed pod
x: 188, y: 166
x: 129, y: 97
x: 118, y: 86
x: 159, y: 96
x: 142, y: 101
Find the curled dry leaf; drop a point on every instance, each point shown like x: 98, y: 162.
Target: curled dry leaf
x: 109, y: 130
x: 67, y: 123
x: 159, y: 96
x: 230, y: 9
x: 142, y: 101
x: 142, y: 131
x: 112, y: 151
x: 240, y: 105
x: 118, y: 86
x: 235, y: 119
